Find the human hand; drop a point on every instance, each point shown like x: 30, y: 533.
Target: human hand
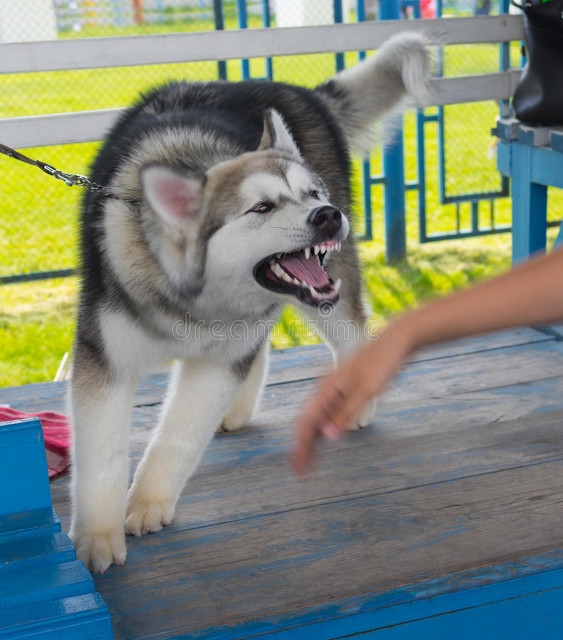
x: 341, y: 396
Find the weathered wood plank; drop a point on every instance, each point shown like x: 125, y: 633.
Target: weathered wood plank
x: 517, y: 596
x: 507, y: 606
x: 285, y: 561
x: 301, y: 363
x: 286, y: 365
x: 88, y: 53
x: 57, y: 128
x: 459, y: 476
x: 91, y: 126
x: 442, y: 443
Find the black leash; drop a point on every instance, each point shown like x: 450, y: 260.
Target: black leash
x: 70, y: 179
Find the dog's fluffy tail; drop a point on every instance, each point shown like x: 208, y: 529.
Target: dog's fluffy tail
x: 378, y: 87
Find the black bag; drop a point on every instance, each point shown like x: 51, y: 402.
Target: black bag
x: 538, y: 98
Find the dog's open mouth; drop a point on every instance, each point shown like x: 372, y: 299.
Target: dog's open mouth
x: 301, y: 274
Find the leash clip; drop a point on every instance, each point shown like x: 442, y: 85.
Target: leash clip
x: 70, y: 179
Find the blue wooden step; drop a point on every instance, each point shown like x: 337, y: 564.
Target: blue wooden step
x: 44, y: 591
x: 29, y: 552
x: 23, y: 468
x: 85, y: 617
x: 45, y: 583
x: 28, y: 523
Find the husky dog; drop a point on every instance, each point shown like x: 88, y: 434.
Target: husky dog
x: 223, y: 202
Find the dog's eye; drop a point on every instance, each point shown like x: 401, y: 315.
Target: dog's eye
x: 262, y: 207
x: 314, y: 194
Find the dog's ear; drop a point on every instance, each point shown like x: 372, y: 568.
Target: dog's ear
x: 276, y: 135
x: 175, y: 198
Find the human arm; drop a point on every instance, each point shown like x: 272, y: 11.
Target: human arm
x: 529, y: 294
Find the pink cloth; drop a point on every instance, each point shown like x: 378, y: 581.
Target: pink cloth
x: 56, y: 434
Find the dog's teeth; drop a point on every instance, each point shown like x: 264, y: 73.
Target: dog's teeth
x: 337, y: 285
x: 316, y: 249
x: 307, y: 252
x: 338, y: 246
x: 296, y: 281
x: 278, y: 255
x: 278, y: 271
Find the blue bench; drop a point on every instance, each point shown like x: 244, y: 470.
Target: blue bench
x: 44, y: 590
x: 533, y: 158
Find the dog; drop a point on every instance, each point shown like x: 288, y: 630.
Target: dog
x: 222, y: 202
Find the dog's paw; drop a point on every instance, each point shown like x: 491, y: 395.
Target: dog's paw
x: 148, y: 515
x: 100, y: 549
x: 364, y: 418
x: 237, y: 418
x: 231, y: 423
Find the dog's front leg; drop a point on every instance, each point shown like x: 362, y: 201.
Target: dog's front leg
x: 101, y: 409
x: 199, y: 395
x: 243, y: 407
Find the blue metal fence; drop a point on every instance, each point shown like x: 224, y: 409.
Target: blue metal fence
x: 391, y: 180
x: 393, y: 176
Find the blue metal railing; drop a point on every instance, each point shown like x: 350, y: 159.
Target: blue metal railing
x: 392, y: 178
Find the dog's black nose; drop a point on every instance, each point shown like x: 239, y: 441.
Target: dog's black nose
x: 327, y: 219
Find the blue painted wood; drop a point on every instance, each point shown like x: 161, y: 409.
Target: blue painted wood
x: 547, y: 167
x: 503, y: 157
x: 532, y: 169
x: 45, y: 583
x: 556, y: 141
x: 521, y: 598
x: 22, y: 456
x: 29, y: 523
x: 44, y: 591
x: 75, y: 618
x: 559, y: 239
x: 23, y: 553
x: 507, y: 129
x: 529, y: 205
x: 248, y: 540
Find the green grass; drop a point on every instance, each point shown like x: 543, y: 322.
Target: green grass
x: 38, y: 223
x: 37, y: 319
x: 36, y: 327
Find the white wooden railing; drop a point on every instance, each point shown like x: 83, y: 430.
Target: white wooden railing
x: 61, y: 128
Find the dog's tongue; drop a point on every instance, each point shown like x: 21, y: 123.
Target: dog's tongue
x: 309, y: 271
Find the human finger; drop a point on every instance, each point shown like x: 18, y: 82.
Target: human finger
x: 313, y: 423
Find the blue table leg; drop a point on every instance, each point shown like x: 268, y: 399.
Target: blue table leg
x: 529, y: 207
x: 559, y: 239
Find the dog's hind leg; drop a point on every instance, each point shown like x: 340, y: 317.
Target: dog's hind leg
x: 200, y: 393
x: 243, y: 407
x: 101, y: 408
